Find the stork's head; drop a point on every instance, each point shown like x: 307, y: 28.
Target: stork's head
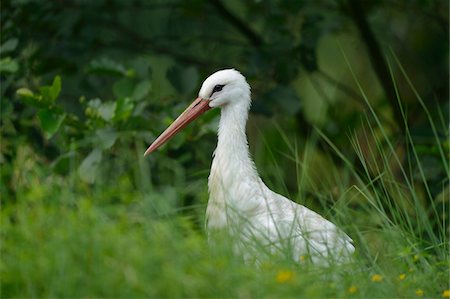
x: 225, y: 87
x: 221, y: 89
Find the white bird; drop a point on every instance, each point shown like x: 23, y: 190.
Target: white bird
x: 239, y: 200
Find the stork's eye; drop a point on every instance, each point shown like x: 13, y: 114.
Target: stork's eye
x: 217, y: 88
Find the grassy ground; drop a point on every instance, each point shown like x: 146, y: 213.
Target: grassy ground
x: 89, y: 250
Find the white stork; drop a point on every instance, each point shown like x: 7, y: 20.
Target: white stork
x: 239, y: 200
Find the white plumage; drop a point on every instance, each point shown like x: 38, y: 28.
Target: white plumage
x: 239, y: 200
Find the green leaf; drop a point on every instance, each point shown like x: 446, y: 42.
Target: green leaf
x: 50, y: 93
x: 94, y: 103
x: 142, y: 90
x: 184, y: 80
x: 123, y: 88
x: 92, y: 108
x: 8, y: 65
x: 106, y: 110
x: 62, y: 164
x: 89, y: 167
x: 106, y: 137
x: 50, y: 121
x: 109, y: 67
x: 55, y: 89
x: 25, y: 92
x: 9, y: 45
x: 30, y: 98
x: 46, y: 96
x: 124, y: 108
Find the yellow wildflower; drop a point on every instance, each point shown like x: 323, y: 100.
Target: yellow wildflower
x: 352, y: 289
x: 416, y: 257
x: 377, y: 278
x: 284, y: 276
x: 419, y: 292
x: 402, y: 276
x: 446, y: 294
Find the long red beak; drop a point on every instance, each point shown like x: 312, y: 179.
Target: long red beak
x: 198, y: 107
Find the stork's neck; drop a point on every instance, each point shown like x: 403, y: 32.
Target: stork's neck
x: 232, y: 164
x: 233, y: 180
x: 232, y: 139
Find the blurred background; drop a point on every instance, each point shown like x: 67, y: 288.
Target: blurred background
x: 86, y: 86
x: 128, y: 68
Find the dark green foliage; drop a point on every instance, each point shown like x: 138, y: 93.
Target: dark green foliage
x: 350, y: 117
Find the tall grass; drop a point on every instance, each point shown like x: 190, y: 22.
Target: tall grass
x: 63, y: 238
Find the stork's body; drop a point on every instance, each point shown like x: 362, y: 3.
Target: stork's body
x: 239, y: 200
